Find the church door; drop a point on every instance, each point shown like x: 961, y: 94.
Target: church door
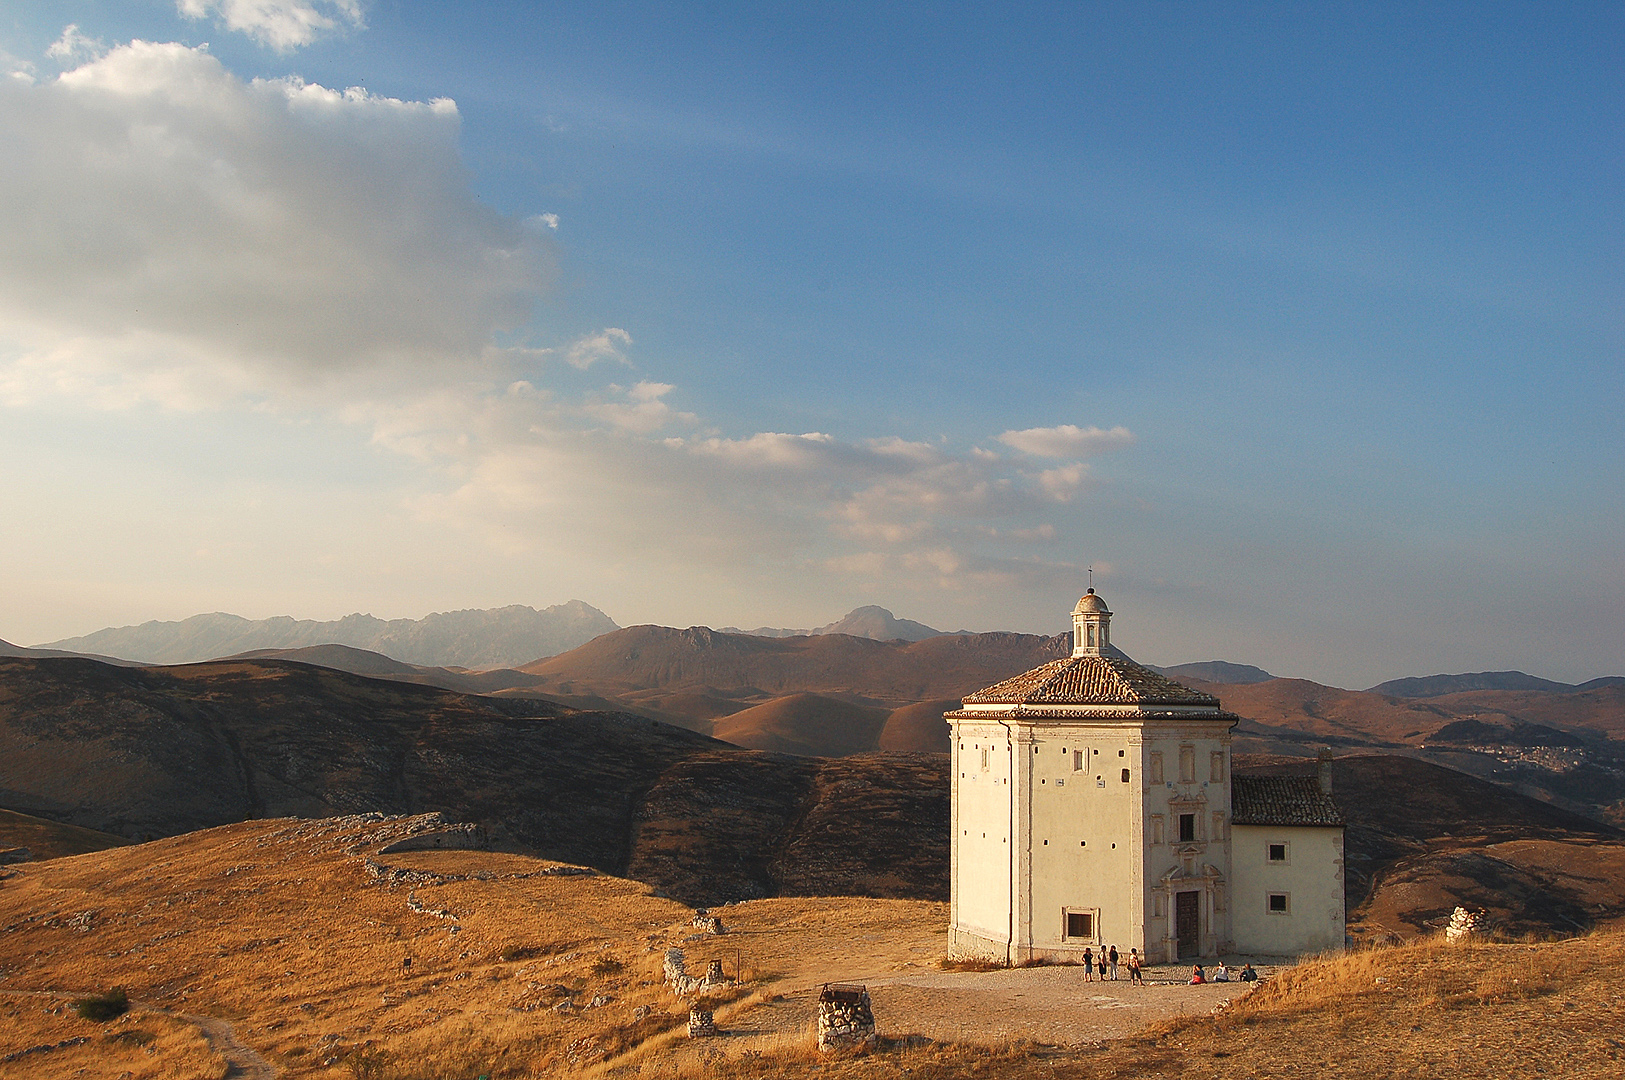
x: 1188, y: 923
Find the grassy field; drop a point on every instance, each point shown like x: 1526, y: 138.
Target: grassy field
x: 283, y: 929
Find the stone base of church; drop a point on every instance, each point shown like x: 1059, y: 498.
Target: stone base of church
x: 969, y: 945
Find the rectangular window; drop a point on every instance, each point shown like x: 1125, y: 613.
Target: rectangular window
x: 1125, y: 776
x: 1080, y: 924
x: 1187, y: 828
x: 1080, y: 760
x: 1218, y: 826
x: 1216, y: 767
x: 1156, y: 829
x: 1277, y: 853
x: 984, y: 759
x: 1156, y: 767
x: 1187, y: 764
x: 1278, y: 903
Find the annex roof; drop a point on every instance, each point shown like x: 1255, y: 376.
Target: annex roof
x: 1090, y: 680
x: 1281, y: 800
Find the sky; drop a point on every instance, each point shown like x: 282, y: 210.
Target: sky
x: 1300, y: 324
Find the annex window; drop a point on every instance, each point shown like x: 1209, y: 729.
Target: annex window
x: 1187, y: 828
x: 1216, y: 767
x: 1278, y: 853
x: 1156, y: 767
x: 1280, y: 903
x: 1080, y: 924
x: 1187, y: 764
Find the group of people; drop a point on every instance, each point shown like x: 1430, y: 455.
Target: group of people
x: 1222, y: 974
x: 1107, y: 965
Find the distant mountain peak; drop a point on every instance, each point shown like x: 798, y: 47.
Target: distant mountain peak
x: 1217, y: 671
x: 1438, y: 685
x: 873, y: 621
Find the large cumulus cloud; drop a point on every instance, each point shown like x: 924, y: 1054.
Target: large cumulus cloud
x: 155, y: 207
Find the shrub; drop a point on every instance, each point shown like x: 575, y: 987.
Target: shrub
x: 367, y: 1063
x: 607, y: 965
x: 103, y: 1007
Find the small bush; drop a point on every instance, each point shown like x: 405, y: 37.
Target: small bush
x: 103, y: 1007
x: 953, y: 963
x: 367, y: 1063
x: 607, y: 965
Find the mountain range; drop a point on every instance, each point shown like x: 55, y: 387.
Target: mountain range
x: 471, y: 638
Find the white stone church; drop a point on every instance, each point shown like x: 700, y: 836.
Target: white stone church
x: 1093, y: 805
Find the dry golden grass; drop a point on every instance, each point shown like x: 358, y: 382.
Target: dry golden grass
x: 279, y: 928
x: 137, y: 1046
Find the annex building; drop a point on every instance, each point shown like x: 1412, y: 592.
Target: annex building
x: 1094, y: 804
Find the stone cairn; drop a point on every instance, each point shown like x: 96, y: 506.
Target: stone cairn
x: 845, y: 1017
x: 1464, y: 925
x: 702, y: 1023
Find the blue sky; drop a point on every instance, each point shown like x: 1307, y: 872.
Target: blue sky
x: 1300, y: 323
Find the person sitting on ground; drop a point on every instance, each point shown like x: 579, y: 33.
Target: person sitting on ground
x: 1197, y: 978
x: 1221, y: 973
x: 1248, y: 974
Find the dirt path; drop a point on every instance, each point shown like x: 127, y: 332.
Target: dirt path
x: 242, y: 1061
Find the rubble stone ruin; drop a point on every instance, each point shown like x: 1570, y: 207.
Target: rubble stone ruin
x: 707, y: 922
x: 675, y: 969
x: 701, y: 1023
x: 1464, y: 925
x: 846, y: 1019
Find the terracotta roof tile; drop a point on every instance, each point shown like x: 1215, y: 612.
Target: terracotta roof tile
x: 1090, y: 680
x: 1281, y: 800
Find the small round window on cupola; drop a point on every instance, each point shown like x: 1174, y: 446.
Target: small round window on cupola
x: 1091, y: 626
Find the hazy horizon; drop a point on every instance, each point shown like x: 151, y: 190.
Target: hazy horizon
x: 1302, y: 327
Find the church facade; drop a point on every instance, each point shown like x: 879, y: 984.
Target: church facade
x: 1093, y: 804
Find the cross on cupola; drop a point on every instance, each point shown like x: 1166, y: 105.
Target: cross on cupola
x: 1091, y: 626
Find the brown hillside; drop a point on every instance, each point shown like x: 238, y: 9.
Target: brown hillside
x: 51, y: 839
x: 158, y: 751
x: 804, y: 724
x: 1601, y: 709
x: 894, y: 672
x: 919, y: 727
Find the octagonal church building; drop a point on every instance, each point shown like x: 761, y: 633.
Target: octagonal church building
x: 1094, y: 805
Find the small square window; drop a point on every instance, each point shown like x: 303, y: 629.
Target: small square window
x: 1277, y: 853
x: 1278, y: 903
x: 1080, y: 924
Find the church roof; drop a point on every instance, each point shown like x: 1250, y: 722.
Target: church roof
x: 1281, y: 800
x: 1090, y: 680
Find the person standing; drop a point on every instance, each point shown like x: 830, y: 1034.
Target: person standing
x: 1088, y: 964
x: 1135, y: 974
x: 1112, y: 956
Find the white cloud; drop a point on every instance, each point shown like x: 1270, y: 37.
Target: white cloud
x: 1067, y: 441
x: 280, y: 24
x: 550, y: 220
x: 586, y: 351
x: 642, y: 411
x: 73, y: 45
x: 158, y: 214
